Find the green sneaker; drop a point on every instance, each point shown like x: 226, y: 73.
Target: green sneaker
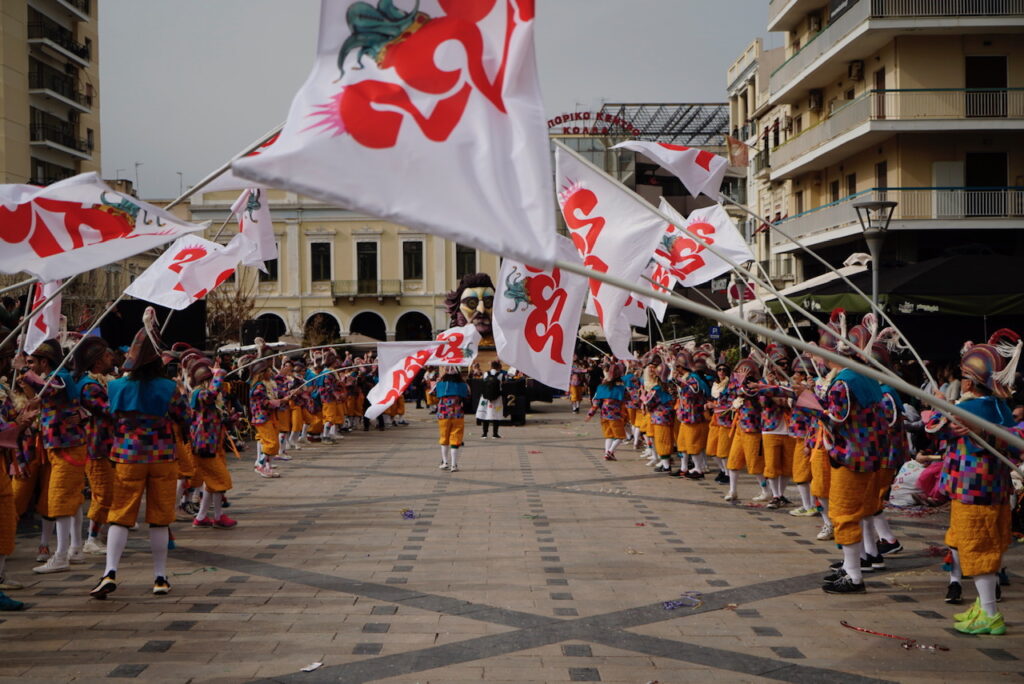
x: 969, y: 614
x: 983, y: 624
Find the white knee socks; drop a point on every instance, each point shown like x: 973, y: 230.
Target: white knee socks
x: 867, y: 531
x: 954, y: 574
x: 158, y: 537
x: 721, y: 464
x: 444, y: 453
x: 701, y: 462
x: 733, y: 477
x: 454, y: 453
x: 773, y: 486
x: 46, y: 535
x: 204, y: 505
x: 824, y: 510
x: 218, y: 501
x: 613, y: 445
x: 986, y: 586
x: 117, y: 537
x: 882, y: 528
x: 76, y: 530
x: 64, y: 525
x: 851, y: 561
x: 805, y: 496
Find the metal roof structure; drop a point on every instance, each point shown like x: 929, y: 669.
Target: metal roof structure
x: 693, y: 125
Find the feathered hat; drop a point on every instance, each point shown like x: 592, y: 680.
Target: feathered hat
x: 747, y: 367
x: 146, y: 346
x: 88, y: 352
x: 993, y: 365
x: 833, y: 331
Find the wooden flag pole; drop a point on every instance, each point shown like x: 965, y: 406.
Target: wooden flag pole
x: 23, y: 283
x: 31, y: 312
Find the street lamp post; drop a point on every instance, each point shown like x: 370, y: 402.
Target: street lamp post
x: 874, y: 220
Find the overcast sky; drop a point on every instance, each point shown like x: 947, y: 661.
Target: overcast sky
x: 186, y: 84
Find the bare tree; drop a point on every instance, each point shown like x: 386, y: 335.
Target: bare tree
x: 227, y: 308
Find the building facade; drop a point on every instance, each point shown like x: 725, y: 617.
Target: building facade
x: 49, y: 90
x: 912, y: 101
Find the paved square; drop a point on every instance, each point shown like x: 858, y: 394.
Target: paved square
x: 537, y: 562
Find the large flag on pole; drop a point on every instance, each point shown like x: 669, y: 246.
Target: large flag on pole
x: 699, y: 170
x: 229, y: 181
x: 536, y: 315
x: 76, y: 225
x: 613, y: 234
x: 430, y: 117
x: 255, y: 228
x: 459, y: 348
x: 45, y: 322
x: 397, y: 365
x: 689, y: 260
x: 186, y: 272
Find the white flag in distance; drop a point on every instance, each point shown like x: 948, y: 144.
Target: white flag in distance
x: 536, y: 315
x: 186, y: 272
x: 255, y: 228
x: 76, y: 225
x: 700, y: 171
x: 428, y: 115
x: 397, y: 365
x: 45, y: 322
x: 689, y: 260
x: 613, y: 233
x: 460, y: 347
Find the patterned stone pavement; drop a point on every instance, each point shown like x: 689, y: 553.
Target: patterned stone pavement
x: 537, y: 562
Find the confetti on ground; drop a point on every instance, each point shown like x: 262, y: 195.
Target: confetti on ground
x: 634, y: 552
x: 936, y: 551
x: 312, y: 666
x: 192, y: 572
x: 730, y: 606
x: 531, y: 517
x: 640, y: 524
x: 907, y: 642
x: 689, y: 599
x: 408, y: 514
x: 535, y: 452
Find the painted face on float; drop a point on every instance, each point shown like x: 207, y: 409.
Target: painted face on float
x: 475, y: 305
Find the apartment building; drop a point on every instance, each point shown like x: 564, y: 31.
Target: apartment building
x: 920, y: 102
x: 49, y: 90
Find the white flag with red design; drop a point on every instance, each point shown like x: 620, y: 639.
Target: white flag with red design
x: 459, y: 348
x: 76, y: 225
x: 536, y: 315
x: 397, y: 365
x: 428, y: 115
x: 700, y: 171
x: 689, y: 260
x: 229, y: 181
x: 255, y: 228
x: 186, y: 272
x: 613, y: 233
x: 45, y: 322
x: 637, y: 306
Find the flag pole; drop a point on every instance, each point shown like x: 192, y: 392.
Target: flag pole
x: 877, y: 370
x: 586, y: 341
x: 31, y: 312
x: 17, y: 285
x: 220, y: 171
x: 294, y: 351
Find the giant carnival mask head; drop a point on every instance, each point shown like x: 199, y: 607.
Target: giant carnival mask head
x: 471, y: 302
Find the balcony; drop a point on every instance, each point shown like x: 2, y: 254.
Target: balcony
x: 761, y: 162
x: 79, y: 9
x: 353, y: 289
x: 785, y: 14
x: 59, y: 139
x: 877, y: 114
x: 870, y: 24
x: 917, y: 209
x: 58, y: 87
x: 60, y: 41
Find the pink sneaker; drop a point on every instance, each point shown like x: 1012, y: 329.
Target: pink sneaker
x: 205, y: 522
x: 224, y: 522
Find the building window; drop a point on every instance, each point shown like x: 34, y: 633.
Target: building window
x: 833, y: 191
x: 320, y: 261
x: 798, y: 203
x: 366, y: 267
x: 465, y: 261
x: 412, y: 260
x: 851, y: 184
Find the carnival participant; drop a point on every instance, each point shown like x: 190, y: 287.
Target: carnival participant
x: 144, y: 405
x: 93, y: 362
x: 855, y: 437
x: 452, y: 391
x: 63, y: 436
x: 692, y: 438
x: 745, y: 449
x: 282, y: 380
x: 657, y: 397
x: 977, y: 482
x: 720, y: 427
x: 488, y: 412
x: 207, y: 435
x: 631, y: 407
x: 802, y: 421
x: 12, y: 423
x: 776, y: 440
x: 263, y: 406
x: 577, y: 383
x: 608, y: 399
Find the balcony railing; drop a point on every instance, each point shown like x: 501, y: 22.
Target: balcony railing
x: 61, y: 37
x: 862, y: 10
x: 44, y: 133
x: 762, y: 161
x: 63, y: 86
x: 914, y: 204
x: 81, y: 5
x: 904, y: 105
x: 366, y: 288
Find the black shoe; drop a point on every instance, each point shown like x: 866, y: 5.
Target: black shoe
x: 693, y: 475
x: 784, y: 501
x: 224, y: 503
x: 662, y: 468
x: 161, y: 586
x: 865, y: 565
x: 832, y: 577
x: 843, y: 585
x: 877, y: 562
x: 887, y: 547
x: 954, y: 593
x: 722, y: 478
x: 1004, y: 578
x: 497, y: 436
x: 776, y: 502
x: 107, y: 585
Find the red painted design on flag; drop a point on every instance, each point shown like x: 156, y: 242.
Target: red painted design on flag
x: 37, y: 301
x: 542, y: 324
x: 703, y: 156
x: 452, y: 350
x: 685, y: 255
x: 584, y: 201
x: 401, y: 378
